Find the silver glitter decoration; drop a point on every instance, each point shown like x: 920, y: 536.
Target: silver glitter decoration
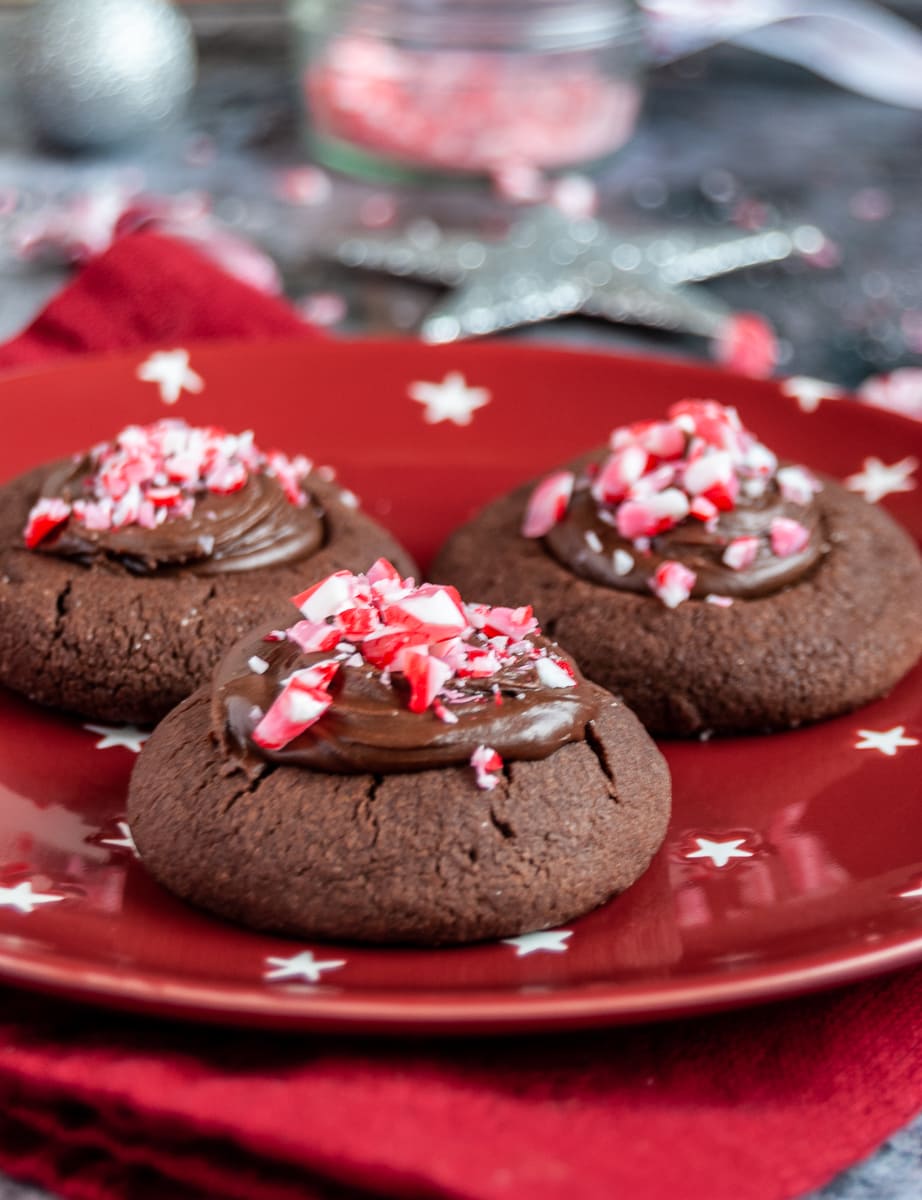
x: 549, y: 265
x: 93, y: 73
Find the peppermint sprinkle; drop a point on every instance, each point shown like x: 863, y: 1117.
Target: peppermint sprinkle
x: 447, y: 652
x: 788, y: 537
x: 149, y: 474
x: 672, y: 583
x: 623, y: 562
x: 694, y: 465
x: 798, y: 485
x: 486, y: 762
x: 554, y: 673
x: 593, y: 541
x: 548, y: 504
x: 257, y: 665
x: 443, y: 713
x: 741, y: 553
x: 718, y: 601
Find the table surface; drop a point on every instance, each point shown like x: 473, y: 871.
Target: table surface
x: 720, y: 131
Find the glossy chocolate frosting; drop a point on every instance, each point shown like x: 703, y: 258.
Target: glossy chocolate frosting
x: 369, y: 727
x: 697, y: 545
x: 254, y: 527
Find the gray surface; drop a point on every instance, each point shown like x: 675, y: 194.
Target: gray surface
x: 722, y: 128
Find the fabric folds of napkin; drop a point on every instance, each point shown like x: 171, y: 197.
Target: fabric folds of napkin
x: 762, y: 1104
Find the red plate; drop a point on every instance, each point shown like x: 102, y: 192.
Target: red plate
x: 819, y: 839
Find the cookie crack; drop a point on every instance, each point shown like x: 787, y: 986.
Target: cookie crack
x: 254, y: 782
x: 502, y: 827
x: 61, y: 607
x: 208, y: 597
x: 367, y: 806
x: 597, y: 746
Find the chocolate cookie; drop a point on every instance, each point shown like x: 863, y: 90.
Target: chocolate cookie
x: 127, y: 571
x: 710, y: 586
x: 439, y: 774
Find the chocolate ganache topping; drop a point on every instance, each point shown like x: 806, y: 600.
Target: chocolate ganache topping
x: 381, y: 676
x: 691, y: 506
x: 167, y: 496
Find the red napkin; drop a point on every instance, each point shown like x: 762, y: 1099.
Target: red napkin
x: 146, y: 289
x: 764, y: 1104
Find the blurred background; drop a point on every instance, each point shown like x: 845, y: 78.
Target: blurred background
x: 292, y: 141
x: 729, y: 179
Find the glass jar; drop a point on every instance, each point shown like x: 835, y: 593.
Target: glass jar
x: 399, y: 88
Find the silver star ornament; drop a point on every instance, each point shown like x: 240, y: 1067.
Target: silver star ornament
x: 549, y: 265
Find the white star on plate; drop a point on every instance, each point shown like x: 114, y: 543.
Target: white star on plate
x: 301, y: 966
x: 450, y: 400
x: 128, y: 736
x: 912, y: 893
x: 808, y: 392
x: 123, y: 842
x: 170, y: 370
x: 878, y: 480
x: 553, y: 940
x: 719, y: 853
x: 887, y: 741
x: 23, y: 899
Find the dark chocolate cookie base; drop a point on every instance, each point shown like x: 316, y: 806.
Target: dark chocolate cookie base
x: 119, y: 647
x: 425, y: 858
x: 838, y: 638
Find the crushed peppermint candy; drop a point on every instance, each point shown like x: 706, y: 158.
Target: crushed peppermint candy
x: 623, y: 562
x: 788, y: 537
x: 797, y: 484
x: 672, y: 583
x: 695, y: 465
x: 741, y: 553
x: 426, y: 634
x: 548, y: 504
x: 149, y: 474
x: 486, y: 762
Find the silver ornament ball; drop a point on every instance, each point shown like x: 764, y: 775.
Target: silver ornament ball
x: 94, y: 73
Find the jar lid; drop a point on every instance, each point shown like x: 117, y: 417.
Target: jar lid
x: 535, y: 25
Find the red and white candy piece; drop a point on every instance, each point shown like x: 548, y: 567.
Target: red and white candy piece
x: 311, y: 636
x: 548, y: 504
x: 703, y: 509
x: 436, y: 611
x: 555, y: 673
x: 619, y: 473
x: 383, y: 573
x: 646, y: 518
x: 797, y: 485
x: 788, y: 537
x: 485, y: 761
x: 326, y: 598
x: 741, y: 553
x: 426, y: 676
x: 297, y: 707
x: 514, y: 623
x: 672, y: 583
x: 44, y: 518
